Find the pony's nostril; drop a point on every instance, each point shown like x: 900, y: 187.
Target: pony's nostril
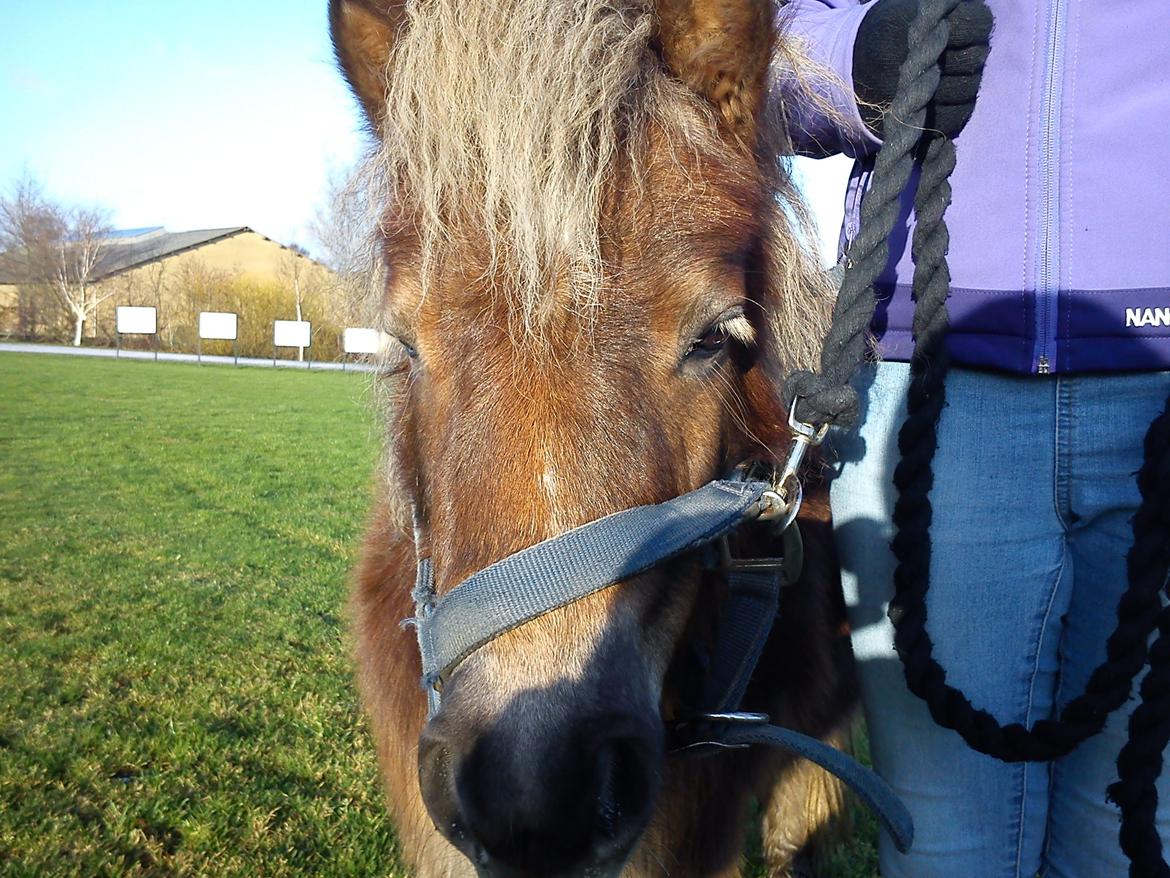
x: 437, y: 782
x: 624, y: 791
x: 608, y: 807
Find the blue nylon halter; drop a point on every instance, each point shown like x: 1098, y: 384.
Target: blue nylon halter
x: 565, y: 568
x: 568, y: 567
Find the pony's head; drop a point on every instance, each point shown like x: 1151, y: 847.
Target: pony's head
x: 595, y: 282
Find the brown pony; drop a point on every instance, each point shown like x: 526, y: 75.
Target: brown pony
x: 596, y: 289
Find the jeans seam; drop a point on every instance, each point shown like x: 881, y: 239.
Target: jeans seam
x: 1062, y: 392
x: 1023, y: 768
x: 1060, y: 440
x: 1056, y: 438
x: 1028, y: 709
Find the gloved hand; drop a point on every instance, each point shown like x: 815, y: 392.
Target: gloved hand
x: 882, y: 44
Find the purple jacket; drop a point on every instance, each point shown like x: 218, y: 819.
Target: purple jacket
x: 1060, y: 222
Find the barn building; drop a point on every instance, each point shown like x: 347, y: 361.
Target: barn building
x: 168, y: 270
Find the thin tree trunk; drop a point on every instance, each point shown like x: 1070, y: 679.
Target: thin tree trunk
x: 78, y: 322
x: 300, y: 350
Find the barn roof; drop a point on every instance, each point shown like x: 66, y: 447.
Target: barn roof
x: 129, y: 251
x: 125, y: 249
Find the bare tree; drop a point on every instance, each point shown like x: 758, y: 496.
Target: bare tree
x: 47, y: 247
x: 340, y: 228
x: 294, y: 270
x: 79, y: 254
x: 30, y: 224
x: 342, y: 232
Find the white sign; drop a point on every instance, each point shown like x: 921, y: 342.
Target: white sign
x: 217, y: 324
x: 356, y: 340
x: 291, y: 333
x: 134, y: 320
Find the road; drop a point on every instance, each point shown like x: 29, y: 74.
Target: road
x: 67, y: 350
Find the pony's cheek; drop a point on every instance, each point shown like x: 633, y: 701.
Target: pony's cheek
x: 705, y: 425
x: 659, y: 606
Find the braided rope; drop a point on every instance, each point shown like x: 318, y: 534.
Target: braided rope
x: 827, y: 397
x: 1140, y: 762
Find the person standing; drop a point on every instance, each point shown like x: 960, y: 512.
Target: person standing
x: 1060, y: 339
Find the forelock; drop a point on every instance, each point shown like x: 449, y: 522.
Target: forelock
x: 505, y: 123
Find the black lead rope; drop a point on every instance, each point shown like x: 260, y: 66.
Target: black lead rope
x: 828, y: 398
x: 1140, y: 762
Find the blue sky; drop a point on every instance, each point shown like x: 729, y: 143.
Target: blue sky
x: 823, y: 183
x: 194, y: 115
x: 188, y: 115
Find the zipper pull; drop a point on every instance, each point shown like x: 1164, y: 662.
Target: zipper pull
x: 1042, y: 368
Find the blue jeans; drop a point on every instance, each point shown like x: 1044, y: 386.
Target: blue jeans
x: 1033, y: 495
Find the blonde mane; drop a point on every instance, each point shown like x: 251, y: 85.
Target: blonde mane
x: 507, y: 118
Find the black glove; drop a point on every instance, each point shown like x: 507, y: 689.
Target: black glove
x: 881, y: 47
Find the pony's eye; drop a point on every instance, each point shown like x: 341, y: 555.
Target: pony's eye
x: 711, y: 342
x: 732, y: 326
x: 409, y: 349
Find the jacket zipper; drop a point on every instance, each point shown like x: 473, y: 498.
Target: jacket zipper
x: 1048, y: 273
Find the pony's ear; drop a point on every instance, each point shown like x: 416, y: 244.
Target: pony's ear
x: 363, y: 33
x: 721, y: 49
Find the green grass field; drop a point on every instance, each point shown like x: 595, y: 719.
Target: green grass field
x: 175, y: 683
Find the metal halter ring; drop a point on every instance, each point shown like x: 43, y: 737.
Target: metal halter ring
x: 804, y: 437
x: 790, y: 562
x: 783, y: 501
x: 806, y: 434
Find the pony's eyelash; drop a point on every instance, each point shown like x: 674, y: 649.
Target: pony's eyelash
x: 740, y: 328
